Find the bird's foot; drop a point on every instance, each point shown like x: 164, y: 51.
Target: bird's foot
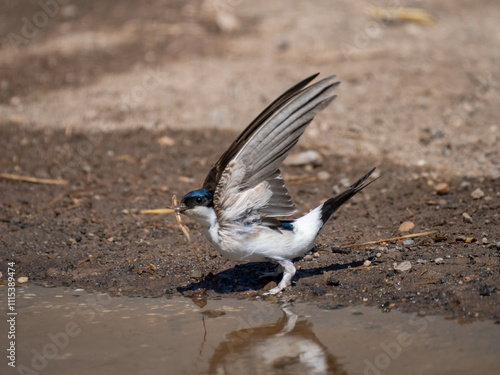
x: 288, y: 272
x: 273, y: 291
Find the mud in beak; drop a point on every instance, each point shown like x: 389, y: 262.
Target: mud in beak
x: 180, y: 208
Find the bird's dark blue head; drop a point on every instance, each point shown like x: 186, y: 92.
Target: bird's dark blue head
x: 201, y: 197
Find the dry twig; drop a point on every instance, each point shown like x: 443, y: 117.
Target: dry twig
x: 185, y: 230
x: 34, y: 180
x: 391, y: 239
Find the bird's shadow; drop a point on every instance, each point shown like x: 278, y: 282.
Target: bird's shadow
x: 248, y: 276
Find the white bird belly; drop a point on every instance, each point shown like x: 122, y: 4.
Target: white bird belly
x: 258, y: 243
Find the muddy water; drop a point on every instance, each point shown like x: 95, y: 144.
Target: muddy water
x: 64, y: 331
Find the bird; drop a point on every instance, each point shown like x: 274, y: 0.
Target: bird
x: 243, y: 200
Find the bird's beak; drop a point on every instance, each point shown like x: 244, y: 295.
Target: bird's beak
x: 180, y: 208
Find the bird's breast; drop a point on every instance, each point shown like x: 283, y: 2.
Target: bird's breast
x: 255, y: 243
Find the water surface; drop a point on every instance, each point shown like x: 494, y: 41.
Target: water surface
x: 65, y: 331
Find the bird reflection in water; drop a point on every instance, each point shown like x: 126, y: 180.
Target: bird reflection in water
x: 287, y: 347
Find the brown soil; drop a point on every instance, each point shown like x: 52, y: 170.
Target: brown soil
x: 90, y: 97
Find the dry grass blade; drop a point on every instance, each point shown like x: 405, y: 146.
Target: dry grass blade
x: 391, y: 239
x: 178, y: 217
x: 34, y: 180
x: 416, y: 15
x: 185, y: 230
x: 158, y: 211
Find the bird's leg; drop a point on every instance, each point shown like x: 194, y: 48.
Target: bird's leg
x: 288, y: 273
x: 277, y: 272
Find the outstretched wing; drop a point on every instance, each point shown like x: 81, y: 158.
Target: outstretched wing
x: 247, y: 182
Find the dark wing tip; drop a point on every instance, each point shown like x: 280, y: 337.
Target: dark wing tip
x: 215, y: 173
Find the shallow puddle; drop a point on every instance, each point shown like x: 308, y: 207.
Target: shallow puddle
x: 64, y: 331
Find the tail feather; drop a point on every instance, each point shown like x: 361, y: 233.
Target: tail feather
x: 333, y: 204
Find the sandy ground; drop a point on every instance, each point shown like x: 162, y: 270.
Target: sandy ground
x: 88, y: 90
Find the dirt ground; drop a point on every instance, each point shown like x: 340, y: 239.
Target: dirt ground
x: 131, y: 103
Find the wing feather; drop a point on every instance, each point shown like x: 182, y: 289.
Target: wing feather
x: 247, y: 182
x: 215, y: 173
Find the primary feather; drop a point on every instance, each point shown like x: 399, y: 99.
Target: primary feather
x: 253, y: 160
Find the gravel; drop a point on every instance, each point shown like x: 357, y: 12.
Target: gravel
x: 403, y: 267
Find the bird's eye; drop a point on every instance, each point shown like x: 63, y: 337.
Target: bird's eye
x: 199, y: 200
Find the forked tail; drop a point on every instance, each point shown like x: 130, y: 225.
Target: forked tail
x: 333, y: 204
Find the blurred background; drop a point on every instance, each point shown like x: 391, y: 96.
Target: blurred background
x: 419, y: 78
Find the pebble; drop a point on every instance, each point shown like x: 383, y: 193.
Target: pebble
x: 465, y: 185
x: 467, y: 218
x: 477, y: 194
x: 403, y: 267
x: 487, y: 290
x: 316, y: 255
x: 22, y: 280
x: 195, y: 274
x: 408, y: 242
x: 439, y: 260
x: 367, y: 263
x: 323, y: 175
x: 406, y: 226
x: 308, y: 258
x: 332, y: 281
x: 442, y: 188
x: 310, y: 157
x: 485, y: 241
x: 421, y: 261
x: 166, y: 141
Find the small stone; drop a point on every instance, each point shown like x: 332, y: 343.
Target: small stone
x: 467, y: 218
x: 378, y: 255
x: 367, y: 263
x: 166, y: 141
x: 332, y: 281
x: 316, y: 255
x: 270, y: 285
x: 22, y: 280
x: 442, y: 188
x: 465, y: 185
x: 403, y: 267
x: 439, y: 260
x: 406, y: 226
x: 310, y: 157
x: 487, y: 290
x: 196, y: 274
x: 477, y: 194
x: 408, y: 242
x: 485, y: 241
x: 308, y: 258
x: 323, y: 175
x: 421, y: 261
